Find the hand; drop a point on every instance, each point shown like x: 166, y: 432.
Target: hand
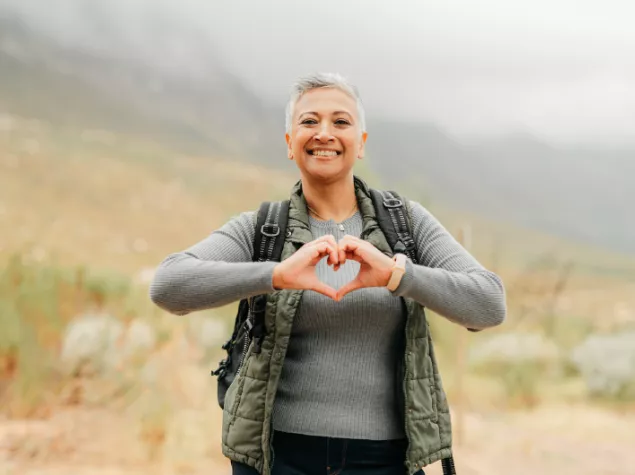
x: 375, y: 267
x: 298, y: 271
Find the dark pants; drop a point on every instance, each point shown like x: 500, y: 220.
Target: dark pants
x: 308, y: 455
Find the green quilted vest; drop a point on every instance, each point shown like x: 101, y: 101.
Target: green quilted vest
x: 249, y: 400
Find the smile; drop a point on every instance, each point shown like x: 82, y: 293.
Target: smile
x: 324, y: 153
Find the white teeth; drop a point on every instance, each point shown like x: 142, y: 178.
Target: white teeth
x: 325, y: 153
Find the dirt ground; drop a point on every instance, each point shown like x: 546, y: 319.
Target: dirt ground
x: 118, y: 438
x: 549, y: 440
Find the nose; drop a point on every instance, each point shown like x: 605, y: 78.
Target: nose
x: 324, y: 133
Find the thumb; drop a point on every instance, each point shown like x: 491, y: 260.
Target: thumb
x: 324, y: 289
x: 345, y: 289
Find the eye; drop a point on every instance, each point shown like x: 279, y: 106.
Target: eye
x: 309, y: 122
x: 342, y: 122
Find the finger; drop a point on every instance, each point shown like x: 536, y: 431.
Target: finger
x: 333, y: 254
x: 345, y: 289
x: 344, y: 239
x: 331, y: 239
x: 325, y: 290
x: 347, y: 243
x: 316, y: 251
x: 336, y: 259
x: 351, y: 238
x: 354, y: 240
x: 358, y: 248
x: 351, y: 248
x: 328, y: 238
x: 341, y: 256
x: 319, y: 250
x: 354, y: 257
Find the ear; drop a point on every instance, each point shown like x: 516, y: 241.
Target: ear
x: 362, y: 146
x: 287, y: 137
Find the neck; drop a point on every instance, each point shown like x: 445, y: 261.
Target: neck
x: 335, y: 200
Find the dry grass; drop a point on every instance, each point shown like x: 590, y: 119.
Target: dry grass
x: 124, y: 206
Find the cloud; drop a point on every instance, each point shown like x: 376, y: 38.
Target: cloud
x: 562, y: 69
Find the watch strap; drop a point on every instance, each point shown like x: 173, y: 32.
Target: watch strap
x: 398, y: 270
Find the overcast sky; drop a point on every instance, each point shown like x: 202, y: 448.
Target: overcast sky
x: 563, y: 70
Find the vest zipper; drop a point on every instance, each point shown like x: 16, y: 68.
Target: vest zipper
x: 246, y: 340
x: 404, y: 383
x: 245, y: 348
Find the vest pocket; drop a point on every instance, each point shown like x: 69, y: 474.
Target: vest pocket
x: 423, y: 403
x: 252, y: 399
x: 399, y: 389
x: 236, y: 347
x: 237, y: 387
x: 230, y: 396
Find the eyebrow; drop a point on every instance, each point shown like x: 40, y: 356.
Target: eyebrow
x: 334, y: 113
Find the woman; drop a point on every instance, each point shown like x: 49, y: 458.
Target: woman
x: 340, y: 314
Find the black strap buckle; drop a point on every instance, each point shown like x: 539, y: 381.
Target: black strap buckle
x: 392, y: 203
x: 220, y: 372
x: 270, y: 230
x: 258, y: 304
x: 222, y: 368
x: 409, y: 242
x: 258, y: 344
x: 405, y: 246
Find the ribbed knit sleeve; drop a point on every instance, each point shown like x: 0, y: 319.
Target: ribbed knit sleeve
x: 447, y: 279
x: 214, y: 272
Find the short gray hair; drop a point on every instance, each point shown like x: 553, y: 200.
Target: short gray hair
x: 319, y: 80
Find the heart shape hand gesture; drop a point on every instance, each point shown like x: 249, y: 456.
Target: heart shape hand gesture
x: 298, y: 271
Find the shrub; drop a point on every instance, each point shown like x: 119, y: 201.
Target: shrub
x: 37, y: 301
x: 519, y: 360
x: 90, y: 344
x: 607, y: 364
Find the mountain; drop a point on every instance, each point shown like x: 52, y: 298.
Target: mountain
x: 585, y: 195
x: 185, y: 99
x: 200, y: 110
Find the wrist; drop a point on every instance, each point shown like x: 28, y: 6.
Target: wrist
x: 276, y: 279
x: 387, y: 271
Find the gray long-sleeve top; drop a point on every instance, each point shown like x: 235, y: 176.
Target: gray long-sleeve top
x: 338, y: 375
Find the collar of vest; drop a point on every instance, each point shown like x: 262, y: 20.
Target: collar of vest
x: 299, y: 231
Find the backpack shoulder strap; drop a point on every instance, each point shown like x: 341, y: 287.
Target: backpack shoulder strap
x: 394, y: 221
x: 271, y: 226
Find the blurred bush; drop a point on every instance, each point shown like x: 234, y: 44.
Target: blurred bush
x: 607, y: 364
x: 520, y: 361
x: 63, y: 330
x: 37, y: 302
x: 98, y: 343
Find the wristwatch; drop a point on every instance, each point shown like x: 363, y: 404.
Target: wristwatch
x: 398, y: 270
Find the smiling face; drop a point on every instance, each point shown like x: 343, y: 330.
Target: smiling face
x: 325, y: 139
